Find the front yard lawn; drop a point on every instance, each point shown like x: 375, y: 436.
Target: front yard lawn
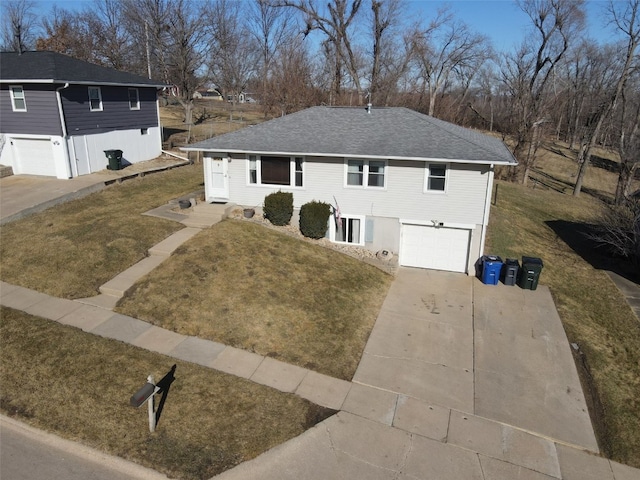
x: 68, y: 251
x: 251, y: 287
x: 78, y: 386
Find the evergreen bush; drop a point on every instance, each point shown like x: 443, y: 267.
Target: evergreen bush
x: 278, y: 208
x: 314, y: 217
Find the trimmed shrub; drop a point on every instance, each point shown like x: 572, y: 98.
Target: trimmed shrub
x: 314, y: 217
x: 278, y: 208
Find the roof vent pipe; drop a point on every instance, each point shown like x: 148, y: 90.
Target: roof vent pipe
x: 369, y: 108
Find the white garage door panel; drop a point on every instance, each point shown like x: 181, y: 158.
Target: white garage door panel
x: 437, y: 248
x: 34, y: 156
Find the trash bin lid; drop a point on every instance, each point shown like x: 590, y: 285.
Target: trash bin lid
x: 532, y: 261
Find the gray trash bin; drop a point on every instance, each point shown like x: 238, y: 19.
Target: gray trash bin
x: 510, y: 271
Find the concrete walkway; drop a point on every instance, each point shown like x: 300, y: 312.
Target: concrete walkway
x: 458, y: 380
x: 630, y: 290
x: 22, y: 195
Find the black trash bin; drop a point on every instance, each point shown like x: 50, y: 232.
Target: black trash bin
x: 115, y: 159
x: 510, y: 271
x: 530, y: 273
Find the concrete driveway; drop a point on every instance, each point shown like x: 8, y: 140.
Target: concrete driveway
x: 498, y: 352
x: 459, y: 380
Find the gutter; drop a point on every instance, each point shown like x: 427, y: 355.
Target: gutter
x: 487, y: 207
x: 70, y: 165
x: 492, y: 163
x: 174, y: 155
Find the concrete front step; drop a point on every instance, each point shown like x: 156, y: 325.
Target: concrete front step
x: 5, y: 171
x: 198, y: 220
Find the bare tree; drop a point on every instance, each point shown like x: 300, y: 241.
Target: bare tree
x: 385, y: 16
x: 19, y: 26
x: 65, y: 32
x: 527, y: 72
x: 603, y: 81
x: 147, y: 21
x: 618, y: 230
x: 233, y: 55
x: 336, y: 24
x: 106, y: 29
x: 291, y: 85
x: 185, y: 52
x: 445, y: 48
x: 625, y: 16
x: 273, y: 29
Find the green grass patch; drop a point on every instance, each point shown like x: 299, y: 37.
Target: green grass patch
x: 68, y: 251
x: 254, y: 288
x: 80, y: 390
x: 594, y: 313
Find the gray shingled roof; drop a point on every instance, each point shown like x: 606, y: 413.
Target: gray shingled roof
x: 390, y: 133
x: 52, y: 67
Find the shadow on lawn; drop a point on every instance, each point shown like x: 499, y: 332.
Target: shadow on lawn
x: 576, y: 235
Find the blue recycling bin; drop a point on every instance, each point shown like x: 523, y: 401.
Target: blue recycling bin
x: 491, y: 268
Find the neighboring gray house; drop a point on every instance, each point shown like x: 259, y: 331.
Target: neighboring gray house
x: 404, y: 182
x: 59, y: 114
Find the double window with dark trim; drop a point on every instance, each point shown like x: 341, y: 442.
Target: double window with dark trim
x: 366, y: 173
x: 276, y: 170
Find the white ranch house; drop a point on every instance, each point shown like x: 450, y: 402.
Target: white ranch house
x: 403, y: 181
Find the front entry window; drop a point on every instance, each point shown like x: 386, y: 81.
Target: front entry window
x: 276, y: 170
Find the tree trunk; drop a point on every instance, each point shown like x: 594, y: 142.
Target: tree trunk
x: 584, y: 156
x: 624, y: 180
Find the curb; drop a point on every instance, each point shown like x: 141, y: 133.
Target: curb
x: 87, y: 453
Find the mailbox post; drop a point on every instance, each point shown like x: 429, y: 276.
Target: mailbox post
x: 147, y: 394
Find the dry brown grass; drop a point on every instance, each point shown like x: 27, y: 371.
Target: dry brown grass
x: 595, y: 315
x: 558, y: 160
x: 78, y: 385
x: 68, y: 251
x: 244, y: 285
x: 211, y: 118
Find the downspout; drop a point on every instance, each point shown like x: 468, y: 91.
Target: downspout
x: 70, y: 164
x: 487, y: 206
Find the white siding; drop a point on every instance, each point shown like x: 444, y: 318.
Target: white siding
x: 136, y: 147
x: 404, y: 196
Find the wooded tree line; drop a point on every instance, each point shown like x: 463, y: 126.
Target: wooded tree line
x: 292, y: 54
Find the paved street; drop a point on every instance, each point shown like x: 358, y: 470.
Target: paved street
x: 29, y: 454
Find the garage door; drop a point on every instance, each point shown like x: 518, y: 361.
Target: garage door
x: 438, y: 248
x: 33, y: 156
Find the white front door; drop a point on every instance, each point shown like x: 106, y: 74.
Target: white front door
x: 217, y: 184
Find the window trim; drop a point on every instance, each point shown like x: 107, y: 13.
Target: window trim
x: 99, y: 90
x: 293, y: 172
x: 332, y: 229
x: 427, y: 175
x: 137, y: 103
x: 14, y: 98
x: 365, y: 173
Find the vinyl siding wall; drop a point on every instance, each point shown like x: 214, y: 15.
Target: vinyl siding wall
x: 115, y: 114
x: 42, y: 116
x: 404, y: 196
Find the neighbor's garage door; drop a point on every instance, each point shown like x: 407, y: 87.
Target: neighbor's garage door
x: 438, y: 248
x: 34, y: 156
